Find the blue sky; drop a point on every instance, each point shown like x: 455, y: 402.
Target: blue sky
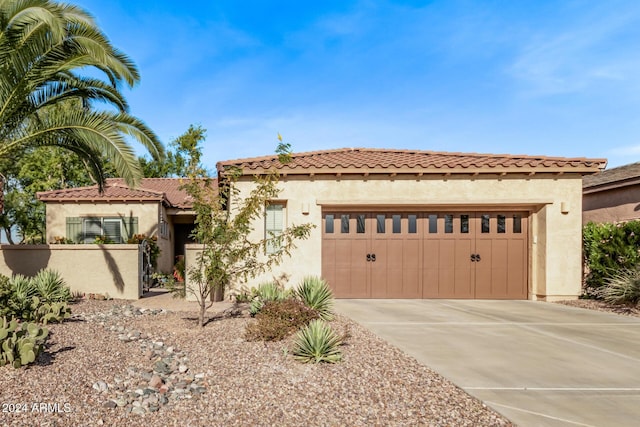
x: 557, y: 78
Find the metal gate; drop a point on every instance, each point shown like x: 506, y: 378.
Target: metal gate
x: 145, y: 269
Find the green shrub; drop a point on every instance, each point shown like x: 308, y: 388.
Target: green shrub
x: 607, y: 249
x: 22, y: 295
x: 20, y: 343
x: 279, y: 319
x: 50, y: 287
x: 622, y: 288
x: 5, y: 295
x: 317, y: 343
x: 269, y: 291
x: 316, y: 294
x: 42, y: 298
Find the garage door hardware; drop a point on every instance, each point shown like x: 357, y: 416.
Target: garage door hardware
x: 371, y: 257
x: 475, y: 257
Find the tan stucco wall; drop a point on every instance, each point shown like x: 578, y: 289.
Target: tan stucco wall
x: 110, y: 269
x: 148, y: 215
x: 615, y: 205
x: 555, y: 237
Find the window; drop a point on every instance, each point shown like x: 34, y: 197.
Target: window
x: 380, y: 219
x: 360, y: 221
x: 485, y: 223
x: 328, y: 223
x: 106, y: 229
x: 413, y: 224
x: 396, y: 223
x: 274, y: 224
x: 502, y: 224
x: 464, y: 224
x: 517, y: 224
x: 344, y: 224
x: 448, y: 224
x: 433, y: 223
x: 111, y: 229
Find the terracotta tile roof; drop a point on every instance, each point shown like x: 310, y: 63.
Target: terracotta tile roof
x: 613, y: 178
x: 166, y: 190
x: 356, y: 160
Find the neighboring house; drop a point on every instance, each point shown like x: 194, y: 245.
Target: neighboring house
x: 157, y: 207
x: 613, y: 195
x: 420, y: 224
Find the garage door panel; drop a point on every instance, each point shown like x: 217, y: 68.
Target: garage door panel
x: 427, y: 255
x: 379, y: 269
x: 517, y: 269
x: 411, y: 284
x: 463, y: 287
x: 430, y: 268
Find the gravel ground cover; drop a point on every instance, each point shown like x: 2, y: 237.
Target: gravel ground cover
x: 113, y: 365
x: 626, y: 310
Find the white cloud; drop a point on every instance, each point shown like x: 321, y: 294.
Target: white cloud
x: 590, y: 50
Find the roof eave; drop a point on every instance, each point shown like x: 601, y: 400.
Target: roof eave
x: 582, y: 170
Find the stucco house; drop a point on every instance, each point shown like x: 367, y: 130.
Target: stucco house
x: 157, y: 207
x: 421, y: 224
x: 612, y: 195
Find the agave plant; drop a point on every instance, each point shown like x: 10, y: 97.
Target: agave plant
x: 50, y: 287
x: 622, y: 288
x: 271, y: 291
x: 22, y: 295
x: 317, y: 343
x: 316, y: 294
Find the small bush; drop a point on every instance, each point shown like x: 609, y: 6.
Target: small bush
x: 5, y: 295
x: 269, y: 291
x: 50, y: 287
x: 317, y: 343
x: 41, y: 299
x: 316, y: 294
x: 622, y: 288
x: 608, y: 249
x: 279, y: 319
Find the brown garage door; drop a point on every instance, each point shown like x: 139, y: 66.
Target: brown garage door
x: 426, y: 255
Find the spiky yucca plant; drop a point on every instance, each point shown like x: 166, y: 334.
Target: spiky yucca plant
x: 316, y: 294
x: 317, y: 343
x: 50, y: 287
x: 622, y: 288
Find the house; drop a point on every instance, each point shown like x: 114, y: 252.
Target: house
x: 422, y: 224
x: 157, y: 207
x: 612, y: 195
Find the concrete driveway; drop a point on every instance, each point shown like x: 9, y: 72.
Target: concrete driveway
x: 538, y: 364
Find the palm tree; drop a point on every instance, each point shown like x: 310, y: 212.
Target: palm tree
x: 45, y: 100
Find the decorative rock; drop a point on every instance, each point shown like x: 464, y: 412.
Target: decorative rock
x: 165, y: 378
x: 161, y: 367
x: 109, y: 404
x: 156, y: 382
x: 138, y: 410
x: 100, y: 386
